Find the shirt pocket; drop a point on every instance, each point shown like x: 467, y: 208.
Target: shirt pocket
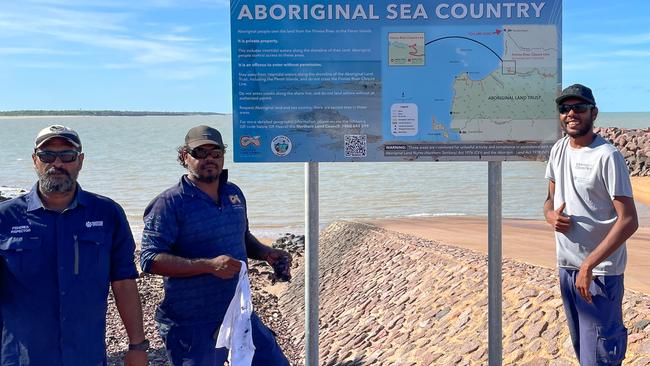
x: 21, y: 254
x: 91, y: 254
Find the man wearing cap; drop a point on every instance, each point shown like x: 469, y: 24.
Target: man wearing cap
x: 60, y: 248
x: 591, y: 209
x: 196, y: 233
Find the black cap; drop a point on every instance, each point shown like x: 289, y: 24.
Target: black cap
x: 578, y: 91
x: 203, y: 135
x: 59, y: 131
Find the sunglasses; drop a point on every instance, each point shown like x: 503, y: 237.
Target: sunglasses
x: 202, y: 153
x: 66, y: 156
x: 578, y: 108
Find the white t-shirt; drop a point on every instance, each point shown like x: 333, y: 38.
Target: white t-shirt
x: 587, y: 179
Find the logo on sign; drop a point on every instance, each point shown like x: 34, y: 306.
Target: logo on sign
x: 281, y: 145
x: 245, y: 141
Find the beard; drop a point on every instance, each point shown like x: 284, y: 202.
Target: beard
x: 201, y: 175
x: 586, y: 126
x: 51, y: 182
x: 205, y: 178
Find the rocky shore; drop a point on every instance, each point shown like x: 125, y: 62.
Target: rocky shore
x: 7, y: 192
x: 265, y: 303
x: 634, y: 144
x: 393, y: 299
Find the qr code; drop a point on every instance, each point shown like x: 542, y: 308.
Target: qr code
x: 356, y: 146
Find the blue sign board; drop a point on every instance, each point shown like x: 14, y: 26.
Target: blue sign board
x: 394, y: 81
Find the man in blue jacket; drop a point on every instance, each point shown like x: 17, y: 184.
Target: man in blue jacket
x: 60, y: 248
x: 196, y: 233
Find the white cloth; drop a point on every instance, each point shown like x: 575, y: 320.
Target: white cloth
x: 236, y: 332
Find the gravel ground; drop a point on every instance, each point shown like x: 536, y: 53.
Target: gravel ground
x: 265, y: 304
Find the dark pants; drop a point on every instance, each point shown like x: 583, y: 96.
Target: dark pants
x: 597, y: 331
x: 194, y: 345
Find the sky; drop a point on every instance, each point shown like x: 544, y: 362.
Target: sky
x: 174, y: 55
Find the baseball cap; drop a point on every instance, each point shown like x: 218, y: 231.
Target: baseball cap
x: 63, y: 132
x: 202, y: 135
x: 576, y: 91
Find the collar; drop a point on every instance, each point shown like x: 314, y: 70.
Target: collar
x: 34, y: 200
x: 190, y: 189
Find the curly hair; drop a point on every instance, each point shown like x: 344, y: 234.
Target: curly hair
x: 182, y: 150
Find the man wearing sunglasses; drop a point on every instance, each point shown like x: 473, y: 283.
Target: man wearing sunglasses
x: 60, y: 248
x: 591, y: 209
x: 196, y: 233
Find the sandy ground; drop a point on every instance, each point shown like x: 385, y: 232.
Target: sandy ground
x: 531, y: 241
x: 641, y: 186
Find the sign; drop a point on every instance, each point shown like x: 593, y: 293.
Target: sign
x: 383, y: 81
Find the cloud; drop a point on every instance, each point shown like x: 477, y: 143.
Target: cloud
x: 182, y: 73
x: 45, y: 21
x: 632, y: 53
x: 129, y: 4
x: 117, y: 66
x: 175, y: 38
x: 616, y: 39
x: 50, y: 65
x: 180, y: 29
x: 582, y: 66
x: 33, y: 51
x: 122, y: 37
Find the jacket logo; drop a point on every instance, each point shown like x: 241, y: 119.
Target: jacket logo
x: 20, y: 229
x: 234, y: 199
x: 94, y: 223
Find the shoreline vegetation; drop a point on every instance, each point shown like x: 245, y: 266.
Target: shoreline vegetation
x: 99, y: 113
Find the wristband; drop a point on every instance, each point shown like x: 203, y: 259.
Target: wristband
x: 142, y: 346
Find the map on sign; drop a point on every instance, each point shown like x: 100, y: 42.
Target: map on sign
x: 469, y: 83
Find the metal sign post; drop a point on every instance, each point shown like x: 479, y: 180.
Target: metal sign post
x: 311, y: 264
x: 495, y: 347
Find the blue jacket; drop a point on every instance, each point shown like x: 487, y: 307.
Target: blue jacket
x: 184, y: 221
x: 55, y: 271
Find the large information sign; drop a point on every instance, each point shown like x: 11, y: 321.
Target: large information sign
x: 392, y: 81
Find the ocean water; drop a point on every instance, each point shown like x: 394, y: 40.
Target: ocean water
x: 132, y: 159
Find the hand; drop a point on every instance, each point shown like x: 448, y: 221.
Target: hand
x: 224, y: 267
x: 281, y: 263
x: 136, y: 358
x: 560, y: 222
x: 583, y: 281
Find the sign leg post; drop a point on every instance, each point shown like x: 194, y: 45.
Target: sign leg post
x: 495, y: 346
x: 311, y: 264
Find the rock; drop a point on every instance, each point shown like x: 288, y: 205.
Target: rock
x: 645, y: 361
x: 561, y: 362
x: 644, y: 347
x: 392, y: 299
x: 634, y: 337
x: 7, y: 193
x: 634, y: 145
x: 536, y: 362
x: 536, y: 330
x: 642, y: 324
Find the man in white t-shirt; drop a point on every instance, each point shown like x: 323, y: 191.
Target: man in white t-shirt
x: 590, y: 206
